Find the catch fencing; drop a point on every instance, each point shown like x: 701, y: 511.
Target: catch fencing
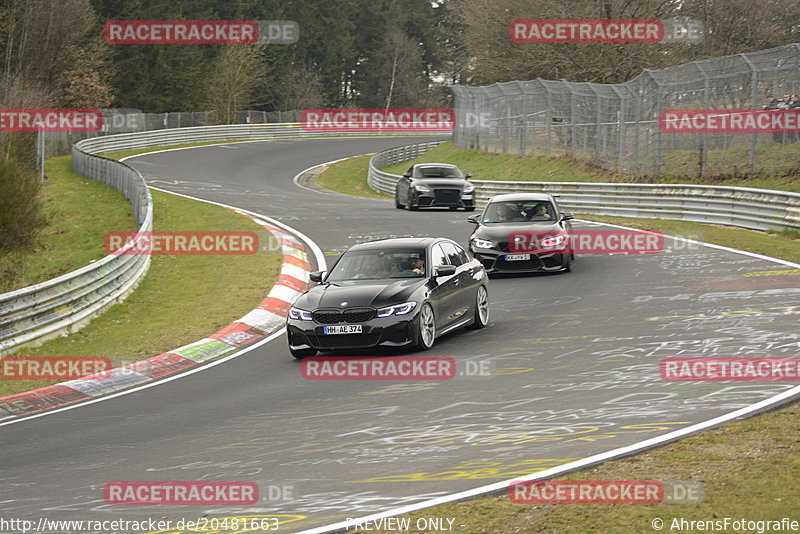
x: 756, y: 209
x: 616, y: 125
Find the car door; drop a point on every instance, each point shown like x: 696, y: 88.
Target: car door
x: 464, y: 299
x: 444, y: 293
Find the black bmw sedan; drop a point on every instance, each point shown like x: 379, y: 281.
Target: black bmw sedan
x: 392, y: 292
x: 522, y: 232
x: 434, y: 185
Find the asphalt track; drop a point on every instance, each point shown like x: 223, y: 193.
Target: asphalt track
x: 573, y: 372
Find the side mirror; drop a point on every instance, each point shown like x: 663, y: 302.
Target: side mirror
x: 468, y: 175
x: 445, y: 270
x: 473, y: 219
x: 567, y: 216
x: 316, y: 276
x: 407, y: 175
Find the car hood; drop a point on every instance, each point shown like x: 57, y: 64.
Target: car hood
x: 451, y: 183
x: 498, y: 232
x: 376, y: 293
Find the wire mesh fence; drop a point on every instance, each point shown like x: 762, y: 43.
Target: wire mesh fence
x: 617, y: 126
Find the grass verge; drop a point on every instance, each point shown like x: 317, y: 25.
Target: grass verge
x: 781, y: 172
x: 79, y: 211
x: 349, y: 177
x: 181, y: 300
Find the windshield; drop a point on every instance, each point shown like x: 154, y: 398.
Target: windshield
x: 379, y: 264
x: 519, y: 211
x: 439, y: 172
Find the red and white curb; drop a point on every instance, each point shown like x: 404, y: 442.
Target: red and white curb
x: 267, y: 319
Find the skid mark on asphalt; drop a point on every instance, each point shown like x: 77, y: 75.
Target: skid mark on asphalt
x: 477, y: 471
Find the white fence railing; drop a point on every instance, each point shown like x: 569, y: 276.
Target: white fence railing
x: 756, y: 209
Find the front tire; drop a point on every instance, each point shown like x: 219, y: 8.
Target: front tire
x: 481, y: 318
x: 426, y: 328
x: 397, y: 200
x: 469, y: 208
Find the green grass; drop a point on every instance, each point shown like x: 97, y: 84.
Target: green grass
x: 748, y: 469
x: 181, y: 300
x: 779, y: 167
x: 349, y: 177
x: 79, y: 212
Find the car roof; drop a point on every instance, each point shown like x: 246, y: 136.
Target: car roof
x: 521, y: 196
x: 398, y: 242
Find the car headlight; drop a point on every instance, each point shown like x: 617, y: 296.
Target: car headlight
x: 469, y: 188
x: 300, y: 315
x: 397, y: 309
x: 422, y: 188
x: 555, y: 241
x: 482, y: 243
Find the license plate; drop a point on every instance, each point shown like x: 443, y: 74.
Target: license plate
x: 517, y: 257
x: 342, y: 329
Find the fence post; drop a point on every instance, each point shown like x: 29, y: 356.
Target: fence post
x: 754, y: 80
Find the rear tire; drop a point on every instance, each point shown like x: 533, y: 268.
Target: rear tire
x: 470, y: 208
x: 426, y: 328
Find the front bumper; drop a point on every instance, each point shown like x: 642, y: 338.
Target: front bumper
x: 494, y: 261
x: 446, y: 198
x: 387, y: 331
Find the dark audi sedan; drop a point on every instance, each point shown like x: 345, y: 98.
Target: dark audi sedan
x: 434, y: 185
x: 522, y: 232
x: 392, y: 292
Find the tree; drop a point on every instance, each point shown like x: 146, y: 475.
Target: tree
x: 57, y: 45
x: 235, y: 75
x: 296, y: 88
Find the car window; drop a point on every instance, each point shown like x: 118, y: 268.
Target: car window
x: 453, y: 257
x: 439, y: 172
x: 522, y: 211
x: 375, y: 264
x: 438, y: 256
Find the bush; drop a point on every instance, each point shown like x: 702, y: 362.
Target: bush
x: 21, y: 214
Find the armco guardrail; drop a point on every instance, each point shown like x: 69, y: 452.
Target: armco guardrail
x: 201, y: 134
x: 756, y: 209
x: 64, y: 304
